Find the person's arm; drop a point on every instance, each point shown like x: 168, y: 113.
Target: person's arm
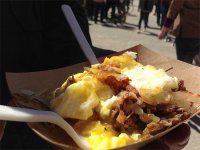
x: 174, y: 9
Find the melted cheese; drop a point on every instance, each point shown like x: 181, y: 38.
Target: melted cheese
x: 154, y: 85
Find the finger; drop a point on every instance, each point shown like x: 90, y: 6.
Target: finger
x: 160, y: 36
x: 12, y: 103
x: 2, y: 127
x: 177, y: 139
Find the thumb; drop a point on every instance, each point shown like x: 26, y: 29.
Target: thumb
x: 177, y: 139
x: 2, y: 127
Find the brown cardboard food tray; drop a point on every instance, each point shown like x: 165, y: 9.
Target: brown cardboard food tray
x: 51, y: 79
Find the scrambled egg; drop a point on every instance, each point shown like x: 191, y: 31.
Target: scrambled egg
x: 80, y: 98
x: 125, y: 61
x: 105, y: 107
x: 102, y: 136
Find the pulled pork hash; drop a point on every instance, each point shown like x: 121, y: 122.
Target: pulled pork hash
x: 121, y: 101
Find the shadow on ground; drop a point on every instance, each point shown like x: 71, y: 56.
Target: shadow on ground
x: 194, y: 123
x: 149, y: 33
x: 124, y: 26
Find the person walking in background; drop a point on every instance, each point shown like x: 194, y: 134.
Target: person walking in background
x: 90, y: 9
x: 158, y: 11
x: 99, y: 7
x: 110, y: 4
x: 127, y: 5
x: 164, y: 4
x: 183, y: 17
x: 145, y: 7
x: 120, y: 16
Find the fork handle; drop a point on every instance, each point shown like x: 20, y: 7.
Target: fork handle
x: 86, y: 48
x: 30, y: 115
x: 24, y: 114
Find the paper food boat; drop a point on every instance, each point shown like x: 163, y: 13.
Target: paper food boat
x: 52, y: 79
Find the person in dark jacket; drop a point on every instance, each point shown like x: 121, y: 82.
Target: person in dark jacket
x: 99, y: 8
x: 36, y: 32
x: 145, y: 7
x: 35, y: 37
x: 90, y: 9
x: 110, y: 4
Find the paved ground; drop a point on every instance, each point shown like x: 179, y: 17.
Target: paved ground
x: 117, y: 38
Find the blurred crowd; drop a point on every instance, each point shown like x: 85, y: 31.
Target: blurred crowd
x: 104, y: 10
x: 117, y: 10
x: 177, y: 19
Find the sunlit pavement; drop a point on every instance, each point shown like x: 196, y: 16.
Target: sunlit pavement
x: 122, y: 36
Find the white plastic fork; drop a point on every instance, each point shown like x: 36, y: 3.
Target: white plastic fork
x: 30, y: 115
x: 85, y: 46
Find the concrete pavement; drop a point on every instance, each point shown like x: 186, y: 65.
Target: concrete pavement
x: 120, y: 37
